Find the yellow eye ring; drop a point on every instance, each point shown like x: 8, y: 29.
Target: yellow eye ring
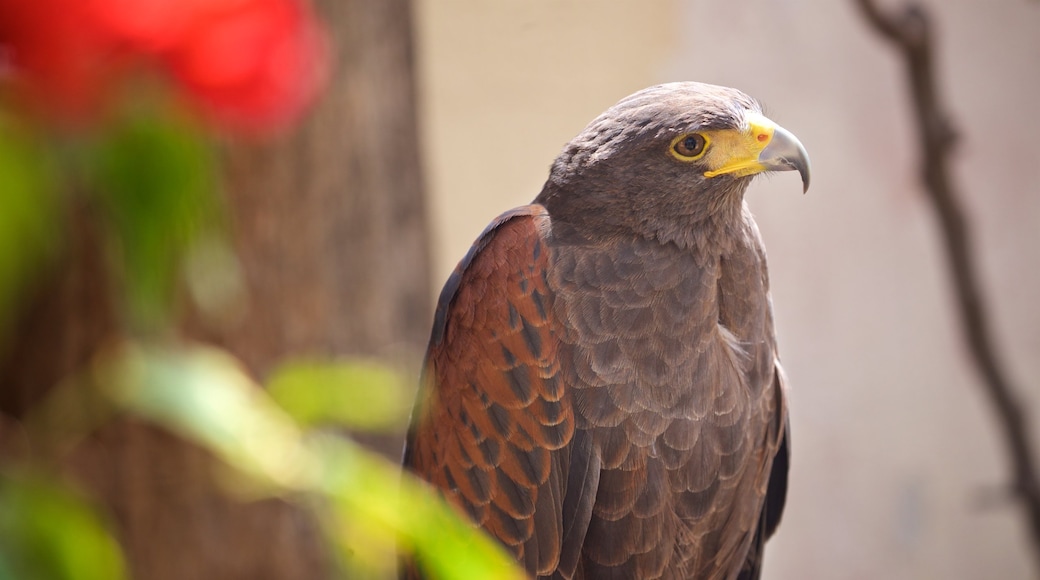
x: 689, y: 146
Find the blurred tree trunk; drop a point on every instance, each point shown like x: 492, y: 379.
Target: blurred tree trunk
x: 330, y: 230
x: 330, y: 222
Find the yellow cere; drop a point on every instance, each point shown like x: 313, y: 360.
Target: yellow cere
x: 736, y: 151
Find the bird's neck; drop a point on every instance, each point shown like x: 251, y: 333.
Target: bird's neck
x: 710, y: 225
x: 707, y: 236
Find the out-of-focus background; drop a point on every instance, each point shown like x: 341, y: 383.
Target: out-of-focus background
x: 214, y: 270
x: 897, y: 469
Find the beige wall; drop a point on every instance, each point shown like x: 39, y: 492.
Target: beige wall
x: 895, y: 453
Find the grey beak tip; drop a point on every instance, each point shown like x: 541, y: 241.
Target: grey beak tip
x: 784, y: 153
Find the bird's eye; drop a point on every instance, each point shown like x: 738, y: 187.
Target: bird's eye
x: 689, y: 147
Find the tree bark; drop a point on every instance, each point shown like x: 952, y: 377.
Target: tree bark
x: 330, y: 222
x: 329, y: 226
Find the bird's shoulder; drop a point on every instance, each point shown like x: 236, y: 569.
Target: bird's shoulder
x: 515, y: 237
x: 492, y: 413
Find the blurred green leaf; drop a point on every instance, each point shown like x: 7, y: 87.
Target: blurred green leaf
x: 156, y: 175
x: 48, y: 533
x: 29, y: 219
x: 204, y: 395
x: 394, y: 508
x: 360, y: 394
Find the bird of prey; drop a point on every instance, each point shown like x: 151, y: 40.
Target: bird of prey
x: 602, y: 391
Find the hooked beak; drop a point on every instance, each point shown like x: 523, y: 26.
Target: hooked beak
x: 763, y: 146
x: 784, y: 153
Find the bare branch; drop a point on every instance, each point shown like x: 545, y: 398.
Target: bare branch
x: 909, y: 31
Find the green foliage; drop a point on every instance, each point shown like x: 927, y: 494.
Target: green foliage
x: 49, y: 533
x: 203, y: 395
x: 359, y: 394
x: 152, y: 175
x: 156, y: 179
x: 28, y: 213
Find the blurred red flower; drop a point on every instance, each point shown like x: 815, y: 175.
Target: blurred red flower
x: 249, y: 64
x: 58, y: 63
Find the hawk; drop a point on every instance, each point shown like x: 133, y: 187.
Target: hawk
x: 602, y: 391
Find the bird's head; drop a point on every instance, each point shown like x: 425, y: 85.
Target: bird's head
x: 665, y: 161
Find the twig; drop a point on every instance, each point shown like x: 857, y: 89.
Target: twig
x: 910, y: 32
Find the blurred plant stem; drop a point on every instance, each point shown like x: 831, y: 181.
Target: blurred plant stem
x: 910, y: 31
x: 28, y: 209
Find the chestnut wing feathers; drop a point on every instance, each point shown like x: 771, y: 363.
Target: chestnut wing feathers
x: 492, y: 424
